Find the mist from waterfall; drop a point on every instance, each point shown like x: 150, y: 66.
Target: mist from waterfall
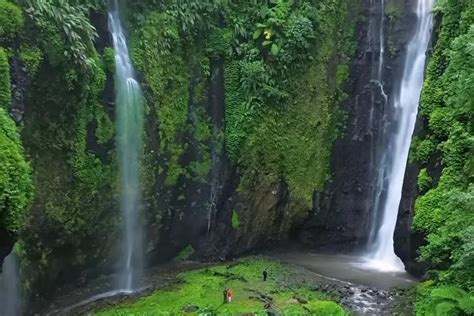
x: 10, y: 287
x: 406, y: 99
x: 129, y: 115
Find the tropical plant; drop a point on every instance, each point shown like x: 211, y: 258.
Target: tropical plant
x: 449, y: 300
x: 72, y: 20
x: 11, y: 19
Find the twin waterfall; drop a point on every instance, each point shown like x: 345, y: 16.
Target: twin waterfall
x: 129, y: 114
x: 393, y: 161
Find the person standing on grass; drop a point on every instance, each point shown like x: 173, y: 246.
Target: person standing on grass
x: 265, y: 274
x: 230, y: 295
x: 225, y: 295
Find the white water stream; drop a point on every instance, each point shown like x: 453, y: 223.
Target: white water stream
x: 10, y: 287
x: 129, y: 113
x: 381, y: 253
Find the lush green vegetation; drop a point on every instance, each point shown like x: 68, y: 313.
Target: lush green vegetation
x: 270, y: 119
x: 16, y: 187
x: 258, y: 82
x: 444, y: 212
x: 66, y: 132
x: 11, y: 20
x: 201, y: 291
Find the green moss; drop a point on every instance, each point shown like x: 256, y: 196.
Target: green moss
x: 166, y: 76
x: 5, y: 83
x: 204, y: 288
x: 325, y: 308
x: 185, y: 253
x: 424, y: 181
x: 105, y: 127
x: 31, y: 57
x: 16, y: 186
x: 235, y: 220
x: 108, y: 58
x: 11, y: 19
x: 275, y: 127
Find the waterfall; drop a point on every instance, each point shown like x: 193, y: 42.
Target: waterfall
x: 10, y: 287
x: 405, y: 102
x: 129, y: 115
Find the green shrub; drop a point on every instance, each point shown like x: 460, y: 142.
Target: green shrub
x: 445, y: 301
x: 422, y: 150
x: 185, y: 253
x: 5, y: 84
x: 11, y: 19
x: 444, y: 213
x: 109, y: 59
x: 16, y: 187
x: 235, y: 219
x: 32, y: 58
x: 76, y: 36
x: 424, y: 180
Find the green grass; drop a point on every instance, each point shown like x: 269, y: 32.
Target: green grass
x: 204, y: 288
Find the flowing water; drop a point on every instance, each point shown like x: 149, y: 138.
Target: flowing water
x: 10, y: 287
x: 365, y: 291
x: 129, y: 115
x: 405, y: 103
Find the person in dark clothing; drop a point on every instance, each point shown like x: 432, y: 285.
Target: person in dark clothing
x: 265, y: 274
x: 225, y: 296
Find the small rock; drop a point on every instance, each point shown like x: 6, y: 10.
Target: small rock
x: 300, y: 299
x: 191, y: 308
x: 272, y: 312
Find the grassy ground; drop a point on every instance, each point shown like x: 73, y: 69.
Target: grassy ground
x: 285, y: 291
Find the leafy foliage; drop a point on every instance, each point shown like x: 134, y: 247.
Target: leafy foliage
x: 11, y: 19
x: 72, y: 19
x: 16, y: 186
x: 424, y: 180
x: 445, y: 212
x: 31, y: 57
x: 5, y: 83
x: 444, y: 301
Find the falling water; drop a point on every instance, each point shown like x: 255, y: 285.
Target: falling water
x: 405, y: 100
x: 129, y: 109
x: 10, y: 293
x: 379, y: 101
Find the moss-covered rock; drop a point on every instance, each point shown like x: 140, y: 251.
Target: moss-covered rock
x: 11, y: 19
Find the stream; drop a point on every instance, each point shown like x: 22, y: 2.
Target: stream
x: 365, y: 291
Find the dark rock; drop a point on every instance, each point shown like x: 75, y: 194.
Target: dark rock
x: 272, y: 312
x: 300, y: 299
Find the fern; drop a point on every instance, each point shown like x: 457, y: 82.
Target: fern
x: 466, y: 304
x: 446, y: 309
x: 449, y: 293
x: 450, y: 300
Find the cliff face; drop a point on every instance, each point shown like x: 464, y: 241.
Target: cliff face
x: 234, y: 147
x: 344, y: 212
x: 243, y: 125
